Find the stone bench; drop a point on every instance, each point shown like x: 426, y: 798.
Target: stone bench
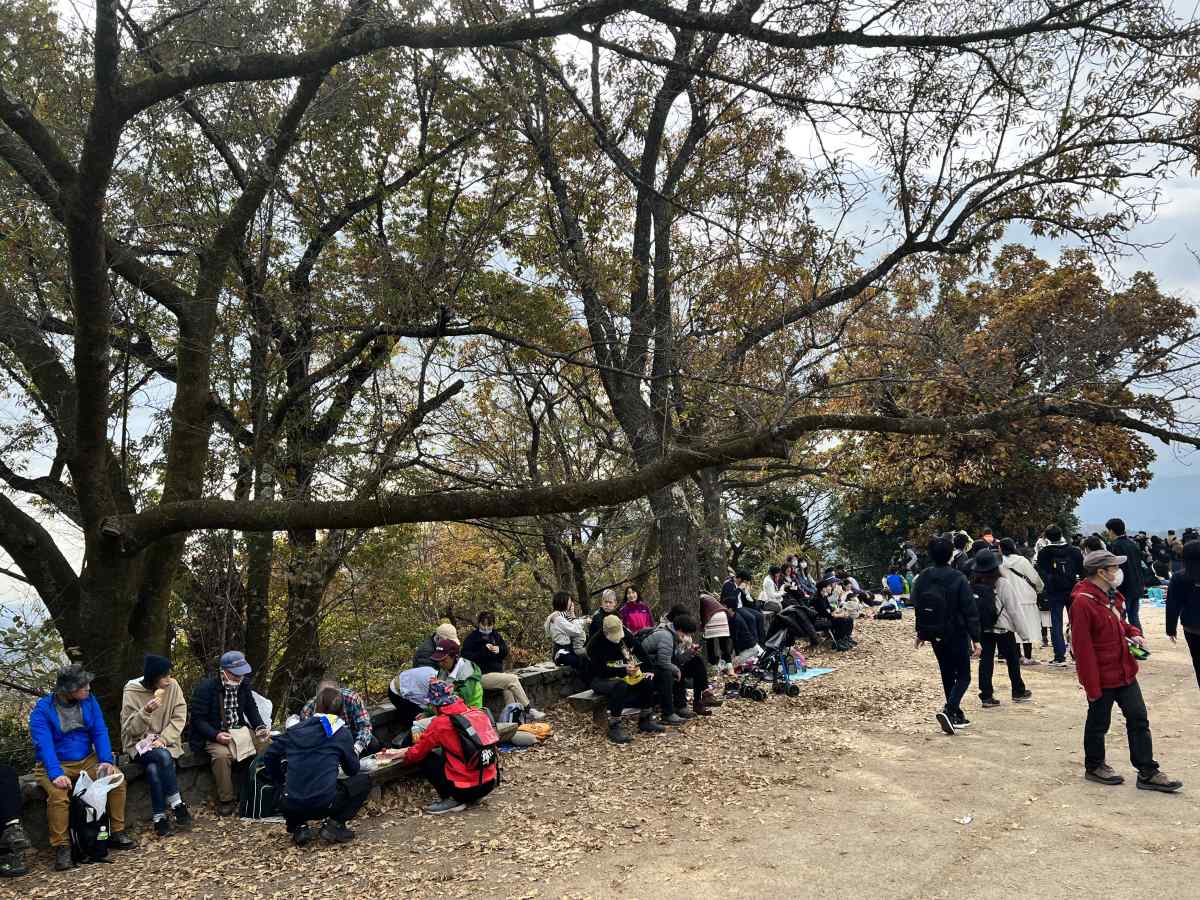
x: 545, y: 683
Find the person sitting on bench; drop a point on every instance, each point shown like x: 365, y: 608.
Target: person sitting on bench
x: 617, y: 674
x: 314, y: 750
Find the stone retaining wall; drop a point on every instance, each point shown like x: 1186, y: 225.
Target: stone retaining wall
x: 545, y: 683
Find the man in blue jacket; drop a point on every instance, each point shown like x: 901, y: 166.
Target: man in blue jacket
x: 313, y: 751
x: 70, y: 737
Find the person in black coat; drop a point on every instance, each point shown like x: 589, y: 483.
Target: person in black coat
x: 314, y: 750
x: 1133, y: 584
x: 486, y: 647
x: 1183, y: 603
x: 220, y: 704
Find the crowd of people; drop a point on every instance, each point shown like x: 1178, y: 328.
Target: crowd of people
x: 987, y: 599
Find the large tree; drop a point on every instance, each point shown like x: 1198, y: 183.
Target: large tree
x: 698, y: 174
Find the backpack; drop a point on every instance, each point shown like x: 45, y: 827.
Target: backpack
x: 514, y: 712
x: 635, y: 642
x: 87, y: 830
x: 932, y: 608
x: 479, y: 741
x: 258, y: 796
x: 1060, y: 577
x: 889, y: 610
x: 985, y: 602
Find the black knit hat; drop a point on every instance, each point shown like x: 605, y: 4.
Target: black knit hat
x: 154, y: 668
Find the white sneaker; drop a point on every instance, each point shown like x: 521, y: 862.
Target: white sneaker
x: 535, y: 715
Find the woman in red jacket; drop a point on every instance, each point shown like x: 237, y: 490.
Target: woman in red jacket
x: 439, y: 753
x: 1101, y: 640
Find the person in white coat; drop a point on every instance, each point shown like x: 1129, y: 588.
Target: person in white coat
x: 991, y: 586
x: 1025, y: 579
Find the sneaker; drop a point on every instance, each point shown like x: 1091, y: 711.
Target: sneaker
x: 676, y: 719
x: 534, y: 715
x: 336, y: 832
x: 302, y: 836
x: 989, y: 703
x: 1029, y: 662
x: 649, y: 726
x: 946, y: 723
x: 121, y: 841
x: 1023, y: 697
x: 711, y: 699
x: 12, y: 865
x: 227, y: 807
x: 1059, y: 663
x: 183, y: 818
x: 1103, y: 774
x: 616, y: 733
x: 701, y: 710
x: 960, y: 721
x: 1158, y: 782
x: 449, y: 805
x: 631, y: 711
x: 62, y: 858
x: 684, y: 713
x: 14, y: 838
x: 162, y: 827
x: 1045, y: 645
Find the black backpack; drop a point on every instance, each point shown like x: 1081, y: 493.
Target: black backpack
x: 88, y: 832
x: 931, y: 606
x: 1060, y: 576
x: 985, y: 602
x: 259, y: 795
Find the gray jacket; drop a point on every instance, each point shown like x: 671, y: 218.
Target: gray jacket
x: 659, y: 647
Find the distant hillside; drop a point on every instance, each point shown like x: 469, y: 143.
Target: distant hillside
x: 1169, y: 502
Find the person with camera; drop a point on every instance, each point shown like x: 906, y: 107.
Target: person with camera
x: 1107, y: 649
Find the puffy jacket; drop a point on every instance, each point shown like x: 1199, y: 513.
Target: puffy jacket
x: 1098, y: 633
x: 1183, y: 603
x: 475, y: 649
x: 710, y: 606
x: 54, y: 748
x: 963, y: 615
x: 206, y: 710
x: 1134, y: 585
x: 314, y: 749
x: 167, y: 721
x: 468, y: 683
x: 440, y: 733
x: 659, y: 647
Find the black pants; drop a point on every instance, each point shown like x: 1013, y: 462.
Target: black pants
x: 672, y: 693
x: 407, y: 712
x: 621, y: 694
x: 953, y: 655
x: 1193, y: 642
x: 572, y: 660
x: 799, y: 623
x: 1007, y: 644
x: 719, y: 649
x: 10, y: 796
x: 433, y: 769
x: 351, y: 794
x: 1137, y: 727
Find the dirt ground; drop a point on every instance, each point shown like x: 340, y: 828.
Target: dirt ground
x: 849, y: 790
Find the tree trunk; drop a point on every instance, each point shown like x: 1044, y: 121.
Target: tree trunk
x: 301, y: 666
x: 678, y: 568
x: 713, y: 557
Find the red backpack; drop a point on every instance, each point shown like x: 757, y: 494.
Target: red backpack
x: 479, y: 742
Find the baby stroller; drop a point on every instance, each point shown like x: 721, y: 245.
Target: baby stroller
x: 777, y: 665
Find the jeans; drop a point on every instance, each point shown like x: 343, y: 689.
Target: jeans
x: 1058, y: 606
x: 1007, y: 642
x: 160, y: 775
x: 348, y: 799
x: 953, y: 655
x: 1193, y: 642
x: 433, y: 768
x: 1132, y: 612
x: 1137, y: 727
x: 621, y: 694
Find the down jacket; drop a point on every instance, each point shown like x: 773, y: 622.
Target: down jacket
x: 659, y: 647
x: 1098, y: 640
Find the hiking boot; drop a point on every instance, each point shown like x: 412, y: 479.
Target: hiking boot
x: 12, y: 865
x: 684, y: 713
x: 989, y: 703
x: 336, y: 832
x: 449, y: 805
x: 14, y: 838
x: 302, y: 836
x: 534, y: 715
x: 711, y: 699
x: 227, y: 807
x: 648, y: 725
x: 616, y: 733
x: 183, y: 818
x: 1158, y: 782
x: 1023, y: 697
x: 162, y: 827
x: 121, y: 841
x: 700, y: 709
x: 62, y: 858
x: 945, y: 722
x: 1104, y: 774
x: 676, y: 719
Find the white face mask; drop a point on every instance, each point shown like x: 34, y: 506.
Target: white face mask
x: 1119, y: 579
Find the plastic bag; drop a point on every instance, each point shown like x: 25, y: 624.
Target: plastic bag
x: 95, y: 792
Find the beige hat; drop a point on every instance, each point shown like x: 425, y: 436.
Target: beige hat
x: 1102, y: 559
x: 448, y: 632
x: 613, y: 629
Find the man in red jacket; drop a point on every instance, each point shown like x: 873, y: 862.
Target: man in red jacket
x: 1101, y: 641
x: 439, y: 753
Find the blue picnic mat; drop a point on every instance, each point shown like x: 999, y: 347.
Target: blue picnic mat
x: 808, y: 674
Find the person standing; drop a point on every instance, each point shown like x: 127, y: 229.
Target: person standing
x: 1102, y: 642
x: 1133, y: 585
x: 1061, y: 565
x: 1028, y: 584
x: 70, y: 737
x: 995, y: 593
x: 154, y: 712
x: 221, y: 704
x: 1183, y: 602
x: 947, y: 617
